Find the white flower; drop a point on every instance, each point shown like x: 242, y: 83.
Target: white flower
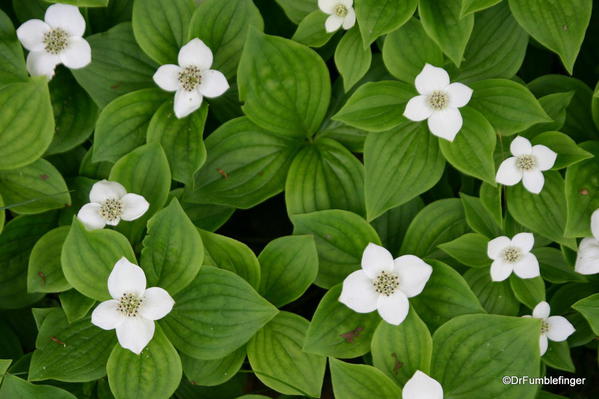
x: 56, y: 40
x: 134, y: 308
x: 527, y: 164
x: 385, y: 284
x: 587, y: 260
x: 109, y: 203
x: 341, y: 14
x: 554, y: 328
x: 438, y: 102
x: 421, y: 386
x: 192, y: 79
x: 513, y: 256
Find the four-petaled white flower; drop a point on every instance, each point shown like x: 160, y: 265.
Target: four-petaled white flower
x: 192, y: 79
x: 56, y: 40
x: 134, y: 308
x: 554, y: 328
x: 587, y: 260
x: 527, y: 164
x: 421, y: 386
x: 109, y: 203
x: 385, y: 284
x: 438, y: 102
x: 341, y: 13
x: 513, y: 256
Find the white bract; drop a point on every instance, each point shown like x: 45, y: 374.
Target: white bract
x: 438, y: 102
x: 56, y: 40
x: 513, y: 256
x: 192, y: 79
x: 587, y: 260
x: 109, y: 203
x: 341, y: 14
x: 421, y: 386
x: 385, y: 284
x: 527, y: 164
x: 554, y: 328
x: 134, y: 308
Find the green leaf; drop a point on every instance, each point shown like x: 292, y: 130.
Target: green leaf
x: 554, y: 267
x: 173, y: 250
x: 4, y: 365
x: 37, y: 187
x: 408, y: 49
x: 311, y: 30
x: 325, y: 175
x: 376, y: 106
x: 227, y: 37
x: 13, y: 63
x: 399, y: 351
x: 16, y: 388
x: 26, y: 123
x: 558, y: 356
x: 443, y: 24
x: 82, y: 3
x: 559, y: 26
x: 2, y: 214
x: 75, y: 305
x: 471, y: 6
x: 161, y: 28
x: 463, y: 347
x: 338, y: 331
x: 589, y: 309
x: 469, y: 249
x: 528, y: 291
x: 207, y: 216
x: 352, y: 59
x: 44, y: 271
x: 340, y: 238
x: 595, y: 106
x: 555, y: 105
x: 496, y: 297
x: 400, y: 164
x: 289, y: 265
x: 118, y: 66
x: 393, y: 224
x: 568, y: 152
x: 479, y: 218
x: 216, y: 314
x: 360, y: 381
x: 296, y: 10
x: 276, y: 356
x: 491, y: 198
x: 285, y: 85
x: 509, y: 106
x: 213, y: 372
x: 78, y: 352
x: 377, y: 18
x: 155, y: 373
x: 88, y: 258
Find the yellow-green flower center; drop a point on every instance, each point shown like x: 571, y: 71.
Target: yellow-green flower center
x: 341, y: 10
x: 190, y: 77
x: 56, y: 40
x: 386, y: 283
x: 129, y: 304
x: 111, y: 209
x: 512, y: 254
x: 526, y: 162
x: 438, y: 100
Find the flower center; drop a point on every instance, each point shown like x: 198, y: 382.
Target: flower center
x: 526, y: 162
x: 129, y: 304
x: 341, y: 10
x: 438, y: 100
x: 190, y: 77
x: 512, y: 254
x: 56, y: 40
x: 386, y: 283
x: 111, y: 209
x: 544, y: 327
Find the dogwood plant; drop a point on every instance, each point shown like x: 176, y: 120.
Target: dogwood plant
x: 438, y: 102
x: 385, y: 284
x: 133, y: 309
x: 192, y: 79
x: 421, y: 386
x: 341, y: 13
x: 513, y: 255
x: 109, y: 203
x: 56, y: 40
x: 553, y: 328
x: 587, y: 259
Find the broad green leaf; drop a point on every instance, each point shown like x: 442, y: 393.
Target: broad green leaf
x: 595, y: 106
x: 393, y: 224
x: 509, y: 106
x: 338, y: 331
x: 568, y: 152
x: 443, y: 24
x: 558, y: 356
x: 296, y: 10
x: 352, y: 59
x: 289, y: 265
x: 469, y: 249
x: 88, y: 257
x: 276, y: 356
x: 377, y: 18
x: 212, y: 372
x: 227, y: 37
x: 560, y: 26
x: 285, y: 85
x: 491, y: 199
x: 78, y: 352
x: 463, y: 349
x: 37, y: 188
x: 173, y: 252
x: 118, y: 65
x: 14, y: 387
x: 589, y: 308
x: 93, y: 170
x: 401, y: 350
x: 82, y: 3
x: 325, y: 175
x: 582, y: 194
x: 75, y: 305
x: 479, y: 218
x: 311, y: 30
x: 471, y: 6
x: 155, y: 373
x: 496, y: 297
x: 400, y: 164
x: 528, y: 291
x: 555, y: 105
x: 13, y: 63
x: 408, y: 49
x: 4, y: 365
x: 376, y: 106
x: 207, y: 216
x: 216, y: 314
x: 471, y: 152
x: 554, y: 267
x: 340, y: 237
x: 360, y: 381
x: 25, y: 10
x: 45, y: 272
x: 26, y: 123
x: 2, y: 213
